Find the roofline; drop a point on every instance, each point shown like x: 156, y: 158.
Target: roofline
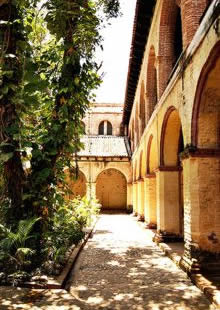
x: 142, y: 22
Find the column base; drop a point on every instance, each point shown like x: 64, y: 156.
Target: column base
x: 140, y: 218
x: 151, y: 226
x: 196, y: 260
x: 166, y: 237
x: 134, y: 214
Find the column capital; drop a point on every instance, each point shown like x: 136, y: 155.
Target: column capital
x: 140, y: 180
x: 150, y: 176
x: 194, y: 152
x: 168, y: 169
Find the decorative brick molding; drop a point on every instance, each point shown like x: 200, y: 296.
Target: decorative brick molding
x: 150, y: 176
x: 167, y: 168
x: 191, y: 151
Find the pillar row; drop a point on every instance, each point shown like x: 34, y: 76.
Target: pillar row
x: 150, y: 208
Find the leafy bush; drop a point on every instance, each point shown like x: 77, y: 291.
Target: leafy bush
x: 66, y: 228
x: 15, y: 247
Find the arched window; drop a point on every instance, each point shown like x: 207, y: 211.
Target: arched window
x: 101, y: 128
x: 105, y: 128
x: 109, y: 129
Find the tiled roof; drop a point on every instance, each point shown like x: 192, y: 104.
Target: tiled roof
x: 105, y: 146
x: 142, y: 22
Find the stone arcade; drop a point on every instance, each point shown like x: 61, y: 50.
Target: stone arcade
x: 161, y: 154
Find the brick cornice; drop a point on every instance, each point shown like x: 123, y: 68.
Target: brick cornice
x: 192, y: 152
x: 150, y: 176
x: 168, y: 168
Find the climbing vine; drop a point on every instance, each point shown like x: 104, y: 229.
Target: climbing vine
x: 48, y: 74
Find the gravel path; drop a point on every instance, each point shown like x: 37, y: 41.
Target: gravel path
x: 121, y: 268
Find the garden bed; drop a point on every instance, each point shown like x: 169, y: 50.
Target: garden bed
x: 57, y: 282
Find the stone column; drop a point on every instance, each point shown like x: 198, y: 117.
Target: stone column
x: 129, y: 196
x: 150, y: 210
x: 168, y: 203
x: 201, y: 179
x: 134, y: 198
x: 140, y: 199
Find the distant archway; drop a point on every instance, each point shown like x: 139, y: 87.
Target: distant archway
x: 111, y: 189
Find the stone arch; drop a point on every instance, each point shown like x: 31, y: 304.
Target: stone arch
x: 151, y: 197
x: 171, y: 208
x: 142, y: 114
x: 206, y: 110
x: 151, y: 84
x: 140, y: 165
x: 135, y: 171
x: 76, y: 185
x: 203, y: 178
x: 152, y: 156
x: 170, y: 41
x: 111, y: 189
x: 171, y: 139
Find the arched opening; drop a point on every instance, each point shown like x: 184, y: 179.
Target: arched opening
x: 76, y: 185
x: 151, y: 199
x: 140, y: 188
x: 170, y: 41
x: 151, y: 85
x: 105, y: 128
x: 170, y: 175
x: 111, y: 189
x: 109, y: 129
x: 101, y: 128
x: 142, y: 115
x: 136, y: 130
x: 206, y: 139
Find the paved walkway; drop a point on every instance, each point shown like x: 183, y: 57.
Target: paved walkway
x: 120, y: 268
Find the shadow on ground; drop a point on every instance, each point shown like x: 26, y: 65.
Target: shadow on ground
x: 119, y: 269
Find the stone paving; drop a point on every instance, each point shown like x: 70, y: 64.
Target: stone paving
x: 119, y: 269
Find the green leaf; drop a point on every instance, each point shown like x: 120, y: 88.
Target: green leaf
x: 4, y: 157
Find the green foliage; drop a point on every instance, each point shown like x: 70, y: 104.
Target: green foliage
x: 48, y: 74
x: 14, y: 245
x: 66, y: 227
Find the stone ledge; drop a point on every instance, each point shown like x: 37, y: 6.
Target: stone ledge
x: 209, y: 290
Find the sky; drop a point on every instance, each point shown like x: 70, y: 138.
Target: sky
x: 115, y: 56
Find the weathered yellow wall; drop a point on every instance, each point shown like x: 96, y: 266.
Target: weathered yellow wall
x: 111, y: 189
x: 200, y: 186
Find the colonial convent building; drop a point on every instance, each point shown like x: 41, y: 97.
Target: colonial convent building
x: 159, y: 153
